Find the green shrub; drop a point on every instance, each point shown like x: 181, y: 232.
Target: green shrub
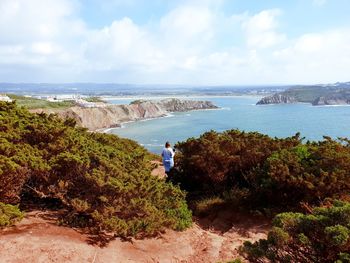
x: 102, y: 180
x: 95, y: 99
x: 215, y: 161
x: 9, y: 214
x: 251, y: 168
x: 343, y: 258
x: 206, y: 206
x: 306, y: 173
x: 322, y: 236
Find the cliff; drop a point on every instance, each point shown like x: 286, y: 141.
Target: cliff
x: 332, y: 99
x: 277, y: 98
x: 329, y: 94
x: 114, y: 115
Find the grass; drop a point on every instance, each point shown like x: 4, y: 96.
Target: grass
x: 207, y: 205
x: 95, y: 99
x: 308, y: 94
x: 32, y: 103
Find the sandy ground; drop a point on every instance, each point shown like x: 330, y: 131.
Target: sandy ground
x: 38, y: 238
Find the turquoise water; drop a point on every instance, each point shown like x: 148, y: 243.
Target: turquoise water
x: 242, y: 113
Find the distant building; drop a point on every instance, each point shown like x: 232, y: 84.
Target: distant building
x: 54, y: 99
x: 84, y: 103
x: 57, y: 98
x: 88, y: 104
x: 3, y: 97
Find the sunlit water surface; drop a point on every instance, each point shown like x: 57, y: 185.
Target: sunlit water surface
x: 239, y: 112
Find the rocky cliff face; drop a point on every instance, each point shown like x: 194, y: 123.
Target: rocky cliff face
x: 113, y: 115
x: 176, y: 105
x: 333, y: 99
x: 328, y: 94
x: 276, y: 99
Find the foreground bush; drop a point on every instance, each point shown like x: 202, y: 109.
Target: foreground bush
x: 263, y: 171
x: 215, y: 161
x: 321, y: 236
x: 307, y: 173
x: 101, y: 180
x: 9, y: 214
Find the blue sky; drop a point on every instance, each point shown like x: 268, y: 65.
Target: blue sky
x: 207, y: 42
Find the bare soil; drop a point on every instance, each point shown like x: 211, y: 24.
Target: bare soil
x: 216, y: 238
x: 38, y: 238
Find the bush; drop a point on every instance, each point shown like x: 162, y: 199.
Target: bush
x: 9, y: 214
x: 306, y: 173
x: 102, y: 180
x: 217, y: 160
x: 254, y: 169
x: 322, y: 236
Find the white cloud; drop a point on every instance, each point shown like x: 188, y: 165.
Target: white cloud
x: 195, y: 43
x: 261, y: 28
x: 122, y: 44
x: 23, y: 20
x: 188, y: 23
x: 44, y: 48
x: 317, y: 57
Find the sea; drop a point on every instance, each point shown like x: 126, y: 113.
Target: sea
x: 238, y: 112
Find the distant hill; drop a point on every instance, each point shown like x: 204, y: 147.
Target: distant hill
x: 115, y: 89
x: 323, y: 94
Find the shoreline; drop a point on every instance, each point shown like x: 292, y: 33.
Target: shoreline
x: 106, y: 130
x: 147, y: 97
x: 168, y: 115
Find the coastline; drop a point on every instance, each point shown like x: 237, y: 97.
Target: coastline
x: 168, y: 115
x: 114, y: 116
x: 106, y: 130
x: 110, y: 98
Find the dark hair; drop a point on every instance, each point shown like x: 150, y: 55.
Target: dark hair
x: 167, y: 144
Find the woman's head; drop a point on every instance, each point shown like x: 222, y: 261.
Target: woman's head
x: 167, y: 144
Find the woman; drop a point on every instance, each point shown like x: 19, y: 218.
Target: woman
x: 168, y: 157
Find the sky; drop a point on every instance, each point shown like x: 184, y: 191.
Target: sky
x: 186, y: 42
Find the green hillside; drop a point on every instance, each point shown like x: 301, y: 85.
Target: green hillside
x: 308, y: 93
x: 328, y: 94
x: 33, y: 103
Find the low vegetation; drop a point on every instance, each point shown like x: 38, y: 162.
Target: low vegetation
x: 95, y: 99
x: 101, y: 180
x: 303, y: 181
x: 137, y: 102
x: 9, y: 214
x: 33, y: 103
x: 265, y: 172
x: 207, y: 206
x: 323, y: 235
x: 104, y: 182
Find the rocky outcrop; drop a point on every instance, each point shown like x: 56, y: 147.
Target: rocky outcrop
x: 113, y: 115
x: 333, y: 99
x: 327, y: 94
x: 276, y: 99
x: 176, y: 105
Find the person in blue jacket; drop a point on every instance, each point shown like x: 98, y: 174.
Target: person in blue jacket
x: 168, y: 157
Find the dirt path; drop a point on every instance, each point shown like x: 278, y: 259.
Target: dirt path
x: 159, y: 170
x: 38, y: 239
